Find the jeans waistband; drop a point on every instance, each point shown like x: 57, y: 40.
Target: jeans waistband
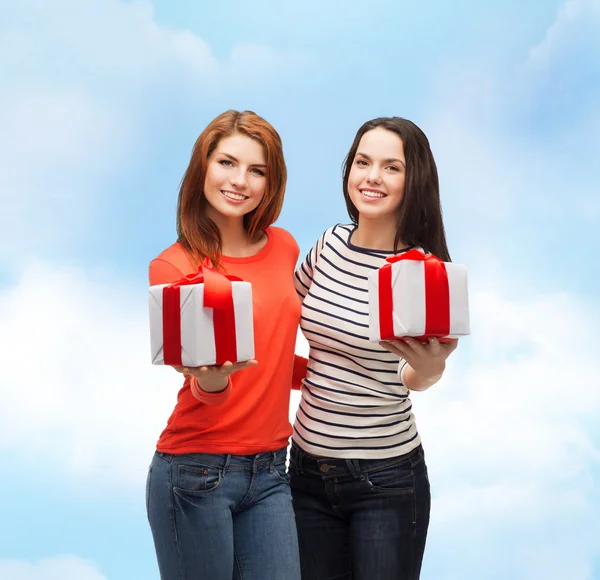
x: 228, y: 462
x: 334, y: 467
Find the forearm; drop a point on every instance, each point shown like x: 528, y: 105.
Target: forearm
x: 417, y: 381
x: 211, y: 393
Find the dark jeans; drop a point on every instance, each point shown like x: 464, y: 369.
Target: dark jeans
x: 222, y: 517
x: 360, y: 519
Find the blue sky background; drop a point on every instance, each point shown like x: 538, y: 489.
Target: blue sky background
x: 100, y: 104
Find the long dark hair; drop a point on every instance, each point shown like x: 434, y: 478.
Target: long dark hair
x: 197, y: 233
x: 419, y: 220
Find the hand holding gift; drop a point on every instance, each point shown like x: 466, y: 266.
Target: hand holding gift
x: 427, y: 361
x: 212, y: 379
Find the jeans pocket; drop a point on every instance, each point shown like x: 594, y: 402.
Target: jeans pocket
x: 281, y: 472
x: 396, y: 479
x: 197, y: 480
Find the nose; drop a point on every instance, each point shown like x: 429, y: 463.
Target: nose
x: 374, y: 175
x: 238, y: 179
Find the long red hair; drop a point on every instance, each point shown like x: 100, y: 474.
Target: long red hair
x: 196, y: 232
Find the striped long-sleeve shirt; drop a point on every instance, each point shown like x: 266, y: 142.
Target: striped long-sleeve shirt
x: 353, y: 405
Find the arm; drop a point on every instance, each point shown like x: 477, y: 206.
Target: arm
x: 214, y: 398
x: 423, y: 364
x: 211, y: 392
x: 299, y: 371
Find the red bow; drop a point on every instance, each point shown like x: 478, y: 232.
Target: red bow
x: 437, y: 295
x: 218, y: 296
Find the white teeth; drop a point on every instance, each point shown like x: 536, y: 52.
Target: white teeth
x: 235, y: 196
x: 372, y: 193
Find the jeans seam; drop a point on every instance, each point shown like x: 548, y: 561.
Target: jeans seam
x: 415, y: 527
x: 173, y: 521
x: 238, y: 565
x: 148, y: 484
x: 250, y: 494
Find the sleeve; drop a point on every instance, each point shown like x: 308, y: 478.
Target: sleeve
x: 163, y: 272
x: 304, y: 274
x: 401, y: 368
x: 299, y: 372
x: 212, y: 399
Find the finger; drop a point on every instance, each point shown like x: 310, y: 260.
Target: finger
x: 246, y: 364
x: 226, y: 368
x: 434, y: 347
x: 195, y: 371
x: 451, y: 346
x: 416, y: 347
x: 401, y: 349
x: 391, y: 347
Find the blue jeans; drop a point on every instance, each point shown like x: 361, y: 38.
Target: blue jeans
x: 222, y: 517
x: 360, y: 519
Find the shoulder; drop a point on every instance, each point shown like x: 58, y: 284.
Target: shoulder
x: 283, y: 238
x: 176, y: 256
x: 341, y: 232
x: 170, y: 265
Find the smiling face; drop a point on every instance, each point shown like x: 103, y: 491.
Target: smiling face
x: 236, y: 179
x: 377, y: 176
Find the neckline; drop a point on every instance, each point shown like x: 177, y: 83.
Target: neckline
x: 261, y: 254
x: 372, y: 250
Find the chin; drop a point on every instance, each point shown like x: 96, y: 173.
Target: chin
x: 371, y: 212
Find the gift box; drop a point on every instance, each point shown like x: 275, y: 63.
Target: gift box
x: 202, y: 319
x: 417, y: 294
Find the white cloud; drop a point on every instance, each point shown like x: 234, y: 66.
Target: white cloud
x: 65, y: 567
x: 512, y: 440
x: 80, y: 384
x: 575, y: 26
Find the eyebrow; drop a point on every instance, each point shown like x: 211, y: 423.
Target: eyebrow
x: 390, y: 160
x: 234, y: 159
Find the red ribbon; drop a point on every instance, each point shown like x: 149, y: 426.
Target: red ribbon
x: 218, y: 296
x: 437, y: 295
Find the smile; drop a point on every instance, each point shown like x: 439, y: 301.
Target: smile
x: 234, y: 196
x: 372, y: 193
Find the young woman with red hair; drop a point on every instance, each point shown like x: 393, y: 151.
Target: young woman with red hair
x: 218, y: 495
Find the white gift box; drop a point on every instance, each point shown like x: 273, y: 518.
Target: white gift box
x: 404, y: 311
x: 198, y: 344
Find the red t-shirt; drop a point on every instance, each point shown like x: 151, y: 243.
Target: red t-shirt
x: 252, y: 414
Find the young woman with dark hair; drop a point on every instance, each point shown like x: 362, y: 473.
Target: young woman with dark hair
x: 359, y: 479
x: 218, y: 494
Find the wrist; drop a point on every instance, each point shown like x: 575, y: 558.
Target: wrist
x: 419, y: 381
x: 212, y: 384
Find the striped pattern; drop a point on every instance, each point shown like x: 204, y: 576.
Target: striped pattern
x: 353, y: 405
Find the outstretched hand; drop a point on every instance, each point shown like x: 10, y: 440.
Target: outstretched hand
x: 427, y: 360
x: 214, y: 378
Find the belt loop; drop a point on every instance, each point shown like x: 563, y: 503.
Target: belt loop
x: 226, y: 466
x: 273, y: 460
x: 354, y: 468
x: 299, y: 464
